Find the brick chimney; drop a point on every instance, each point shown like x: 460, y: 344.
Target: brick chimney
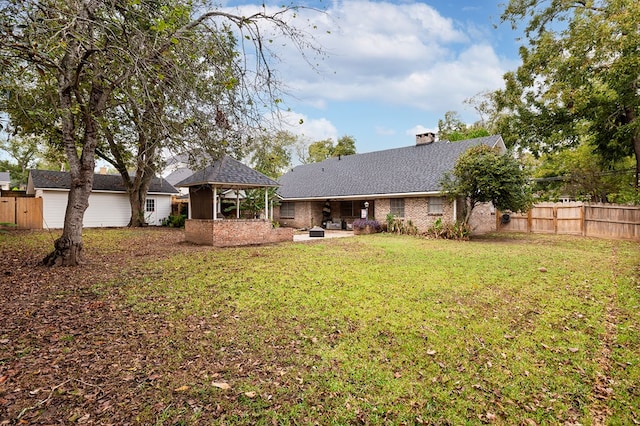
x: 103, y: 170
x: 425, y: 138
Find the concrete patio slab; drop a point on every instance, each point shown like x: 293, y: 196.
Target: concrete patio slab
x: 327, y: 234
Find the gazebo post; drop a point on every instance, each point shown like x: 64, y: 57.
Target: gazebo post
x: 189, y: 205
x: 215, y: 202
x: 266, y: 203
x: 237, y: 203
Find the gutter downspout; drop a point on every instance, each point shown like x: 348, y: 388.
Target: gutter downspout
x: 455, y: 210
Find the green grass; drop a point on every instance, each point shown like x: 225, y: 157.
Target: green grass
x: 384, y: 329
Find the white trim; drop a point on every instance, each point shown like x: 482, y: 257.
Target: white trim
x: 266, y: 205
x: 215, y: 203
x: 237, y: 204
x: 103, y: 191
x: 455, y: 209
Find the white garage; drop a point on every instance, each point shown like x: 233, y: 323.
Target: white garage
x: 108, y: 203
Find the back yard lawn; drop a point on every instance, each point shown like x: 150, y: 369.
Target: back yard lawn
x: 376, y: 329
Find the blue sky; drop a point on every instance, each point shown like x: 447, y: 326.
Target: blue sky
x: 392, y: 69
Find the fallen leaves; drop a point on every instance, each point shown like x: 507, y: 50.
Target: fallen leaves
x: 221, y: 385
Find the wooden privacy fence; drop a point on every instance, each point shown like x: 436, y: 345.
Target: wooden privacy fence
x: 591, y: 220
x: 25, y: 212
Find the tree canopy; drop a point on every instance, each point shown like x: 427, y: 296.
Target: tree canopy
x: 73, y: 62
x: 579, y: 74
x: 451, y: 128
x: 579, y: 173
x: 322, y: 150
x: 483, y: 174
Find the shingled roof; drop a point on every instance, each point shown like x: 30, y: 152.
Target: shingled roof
x: 48, y: 179
x: 410, y: 170
x: 228, y: 172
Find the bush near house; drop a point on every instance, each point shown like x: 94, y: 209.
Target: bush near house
x: 366, y: 226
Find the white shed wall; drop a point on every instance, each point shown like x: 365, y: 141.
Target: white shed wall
x: 54, y: 204
x: 163, y: 209
x: 105, y: 209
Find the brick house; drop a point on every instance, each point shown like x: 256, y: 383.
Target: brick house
x: 403, y: 181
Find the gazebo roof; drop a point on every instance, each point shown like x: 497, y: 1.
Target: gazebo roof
x: 228, y: 173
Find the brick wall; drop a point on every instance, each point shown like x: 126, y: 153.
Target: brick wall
x: 417, y: 210
x: 234, y: 232
x: 308, y: 214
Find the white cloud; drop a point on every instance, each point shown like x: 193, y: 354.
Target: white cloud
x: 402, y: 54
x: 309, y: 129
x: 400, y: 57
x: 419, y: 129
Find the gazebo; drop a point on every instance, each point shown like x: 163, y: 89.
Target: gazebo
x: 206, y: 224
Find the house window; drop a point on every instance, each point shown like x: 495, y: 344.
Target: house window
x: 353, y: 208
x: 346, y: 209
x: 436, y: 205
x: 150, y: 205
x: 287, y: 210
x: 397, y: 207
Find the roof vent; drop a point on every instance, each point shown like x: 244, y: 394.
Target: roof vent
x: 425, y: 138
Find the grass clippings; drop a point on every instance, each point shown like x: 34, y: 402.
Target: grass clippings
x: 377, y: 329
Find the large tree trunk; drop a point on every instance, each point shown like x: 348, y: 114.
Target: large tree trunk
x: 137, y: 199
x: 68, y: 248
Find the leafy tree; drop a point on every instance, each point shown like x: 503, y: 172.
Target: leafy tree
x: 579, y: 74
x: 190, y: 106
x: 452, y: 128
x: 582, y: 174
x: 325, y: 149
x: 81, y: 55
x: 272, y: 153
x: 320, y: 150
x: 483, y: 174
x: 271, y: 156
x: 346, y: 145
x: 23, y: 151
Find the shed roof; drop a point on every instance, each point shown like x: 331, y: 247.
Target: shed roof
x: 48, y: 179
x: 409, y: 170
x: 228, y: 172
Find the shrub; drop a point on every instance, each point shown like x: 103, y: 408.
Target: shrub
x: 363, y: 223
x: 398, y: 226
x: 448, y: 230
x: 174, y: 221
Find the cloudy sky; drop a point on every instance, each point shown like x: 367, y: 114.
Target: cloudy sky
x: 392, y: 69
